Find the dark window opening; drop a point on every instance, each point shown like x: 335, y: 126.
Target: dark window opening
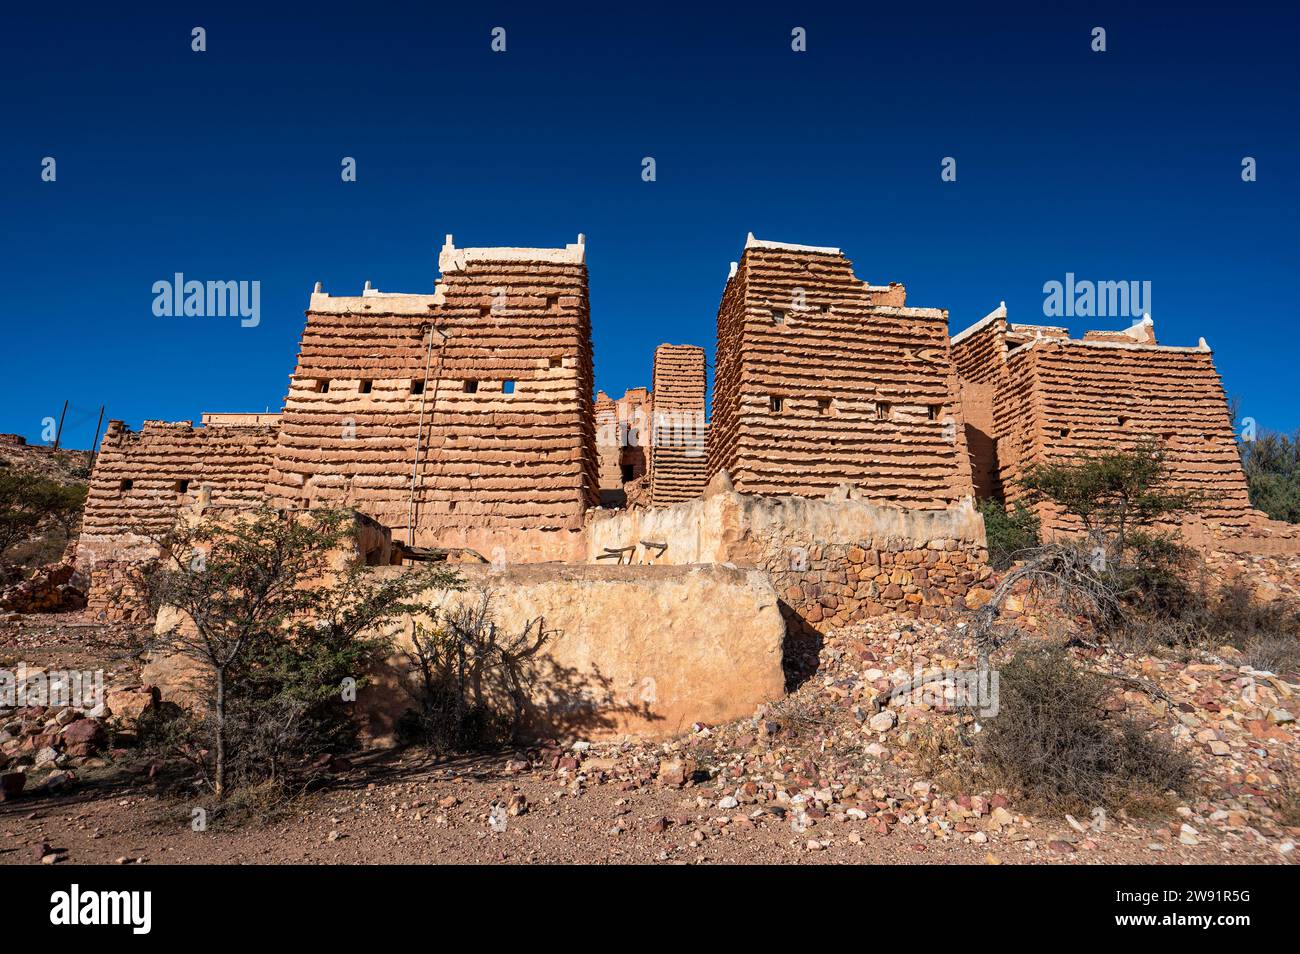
x: 823, y: 405
x: 451, y: 505
x: 417, y: 387
x: 552, y: 302
x: 1123, y: 421
x: 508, y: 387
x: 182, y: 486
x: 557, y: 362
x: 1065, y: 432
x: 778, y: 317
x: 366, y: 385
x: 126, y: 485
x: 323, y: 385
x: 471, y: 387
x: 775, y: 403
x: 933, y: 411
x: 883, y: 410
x: 627, y: 472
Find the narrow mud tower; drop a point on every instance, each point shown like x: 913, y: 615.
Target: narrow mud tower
x: 1032, y: 394
x: 143, y: 480
x: 678, y: 451
x: 462, y: 418
x: 822, y: 379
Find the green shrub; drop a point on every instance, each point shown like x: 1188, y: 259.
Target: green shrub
x: 1272, y: 465
x: 1008, y: 531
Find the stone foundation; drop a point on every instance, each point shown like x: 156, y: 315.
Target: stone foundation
x: 832, y: 561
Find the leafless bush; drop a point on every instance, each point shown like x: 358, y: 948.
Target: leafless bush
x: 1051, y: 742
x: 469, y: 681
x: 1063, y: 572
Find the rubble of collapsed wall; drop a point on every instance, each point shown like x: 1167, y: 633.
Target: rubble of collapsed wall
x: 678, y: 444
x: 462, y: 418
x: 1034, y: 394
x: 143, y: 480
x: 822, y: 379
x: 622, y: 429
x: 832, y: 560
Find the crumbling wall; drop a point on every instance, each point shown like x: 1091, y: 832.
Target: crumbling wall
x: 461, y: 418
x: 818, y: 383
x: 622, y: 437
x: 142, y: 480
x: 832, y: 561
x: 678, y: 451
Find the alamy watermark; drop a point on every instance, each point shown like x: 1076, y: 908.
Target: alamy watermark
x: 1082, y: 298
x: 78, y: 688
x: 179, y: 297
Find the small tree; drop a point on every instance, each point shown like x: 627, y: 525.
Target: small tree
x: 1112, y: 493
x: 274, y: 626
x: 30, y: 504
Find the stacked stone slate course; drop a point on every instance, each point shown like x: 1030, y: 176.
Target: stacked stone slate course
x: 678, y: 451
x: 462, y: 418
x: 822, y: 379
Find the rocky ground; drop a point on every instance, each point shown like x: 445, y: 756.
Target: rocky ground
x: 820, y: 777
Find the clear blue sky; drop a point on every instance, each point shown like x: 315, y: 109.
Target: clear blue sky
x: 225, y: 165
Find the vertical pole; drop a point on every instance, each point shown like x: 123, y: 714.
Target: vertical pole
x: 94, y: 447
x: 58, y: 434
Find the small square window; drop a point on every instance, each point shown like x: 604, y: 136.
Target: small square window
x: 182, y: 486
x: 471, y: 387
x: 933, y: 411
x: 626, y: 471
x: 126, y: 485
x: 778, y: 317
x: 322, y: 385
x: 553, y: 303
x: 1123, y: 421
x: 508, y: 387
x: 823, y: 405
x: 884, y: 410
x: 557, y: 362
x: 417, y: 387
x: 775, y: 403
x: 366, y: 386
x: 1065, y: 432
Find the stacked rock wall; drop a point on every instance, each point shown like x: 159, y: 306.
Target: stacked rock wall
x: 461, y: 418
x: 142, y: 481
x: 823, y: 380
x: 832, y: 561
x: 678, y: 451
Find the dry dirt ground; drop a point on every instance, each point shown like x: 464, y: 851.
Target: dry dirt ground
x: 804, y: 797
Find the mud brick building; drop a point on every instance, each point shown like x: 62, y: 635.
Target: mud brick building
x: 679, y: 443
x: 822, y: 379
x: 622, y: 438
x: 143, y: 480
x: 462, y: 418
x: 1032, y: 393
